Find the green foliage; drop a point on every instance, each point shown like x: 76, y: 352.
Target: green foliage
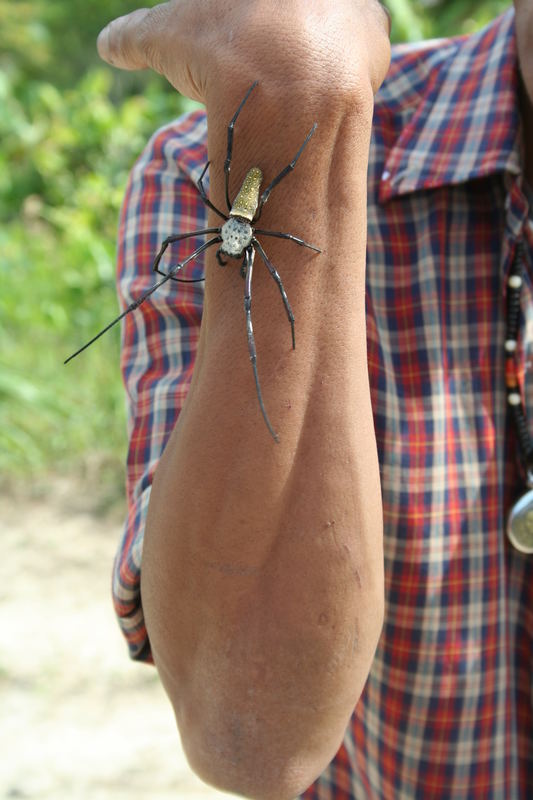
x: 414, y: 20
x: 64, y: 164
x: 70, y: 130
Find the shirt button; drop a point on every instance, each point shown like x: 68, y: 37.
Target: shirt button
x: 386, y: 175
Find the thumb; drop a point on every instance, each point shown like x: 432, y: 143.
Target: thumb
x: 125, y: 42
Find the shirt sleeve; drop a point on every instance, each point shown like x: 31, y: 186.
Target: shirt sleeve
x: 160, y: 337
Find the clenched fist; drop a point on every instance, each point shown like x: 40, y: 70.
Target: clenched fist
x: 202, y: 46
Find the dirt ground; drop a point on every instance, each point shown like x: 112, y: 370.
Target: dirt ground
x: 79, y: 721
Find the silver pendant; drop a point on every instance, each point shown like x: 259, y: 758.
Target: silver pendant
x: 520, y: 523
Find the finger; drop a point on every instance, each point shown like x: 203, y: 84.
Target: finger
x: 124, y: 43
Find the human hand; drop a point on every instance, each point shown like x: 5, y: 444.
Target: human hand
x: 202, y: 47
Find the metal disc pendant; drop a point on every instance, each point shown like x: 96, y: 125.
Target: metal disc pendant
x: 520, y: 524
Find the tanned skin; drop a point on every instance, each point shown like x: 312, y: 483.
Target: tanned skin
x: 262, y: 577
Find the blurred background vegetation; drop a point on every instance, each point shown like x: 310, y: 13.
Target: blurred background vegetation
x: 70, y: 130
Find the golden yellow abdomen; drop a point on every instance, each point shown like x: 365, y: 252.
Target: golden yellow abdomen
x: 246, y: 202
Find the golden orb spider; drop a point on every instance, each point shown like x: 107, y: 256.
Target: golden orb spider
x: 237, y: 239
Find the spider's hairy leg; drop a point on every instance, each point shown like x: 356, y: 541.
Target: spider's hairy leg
x: 273, y: 271
x: 229, y: 151
x: 203, y: 194
x: 249, y: 263
x: 289, y: 236
x: 266, y: 194
x: 170, y: 240
x: 136, y: 303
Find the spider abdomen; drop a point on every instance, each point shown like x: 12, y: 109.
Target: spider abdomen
x: 236, y: 236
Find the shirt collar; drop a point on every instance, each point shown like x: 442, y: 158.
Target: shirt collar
x: 463, y: 120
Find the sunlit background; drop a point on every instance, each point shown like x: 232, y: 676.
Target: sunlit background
x: 78, y: 720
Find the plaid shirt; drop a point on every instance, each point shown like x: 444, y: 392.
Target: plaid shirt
x: 447, y: 709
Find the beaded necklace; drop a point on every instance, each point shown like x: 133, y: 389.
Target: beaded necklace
x: 520, y: 521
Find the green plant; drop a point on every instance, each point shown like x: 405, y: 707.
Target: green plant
x: 64, y: 166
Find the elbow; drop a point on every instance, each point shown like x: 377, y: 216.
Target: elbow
x: 270, y: 740
x: 265, y: 748
x: 257, y: 775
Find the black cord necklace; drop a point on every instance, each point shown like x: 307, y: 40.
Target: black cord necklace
x: 520, y: 521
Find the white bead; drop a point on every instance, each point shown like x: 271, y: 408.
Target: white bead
x: 515, y: 281
x: 510, y: 345
x: 514, y: 399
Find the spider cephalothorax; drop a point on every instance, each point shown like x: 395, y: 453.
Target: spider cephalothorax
x: 237, y: 238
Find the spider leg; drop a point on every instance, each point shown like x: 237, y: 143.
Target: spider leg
x: 249, y: 262
x: 188, y: 280
x: 266, y: 194
x: 244, y: 265
x: 176, y: 238
x: 229, y: 152
x: 220, y: 259
x: 136, y: 303
x: 288, y: 236
x: 203, y: 194
x: 273, y: 271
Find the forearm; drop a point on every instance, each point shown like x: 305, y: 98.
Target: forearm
x: 262, y: 565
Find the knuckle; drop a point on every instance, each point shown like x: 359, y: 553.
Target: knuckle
x: 150, y: 37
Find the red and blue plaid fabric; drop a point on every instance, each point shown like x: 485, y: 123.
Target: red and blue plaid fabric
x: 447, y: 709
